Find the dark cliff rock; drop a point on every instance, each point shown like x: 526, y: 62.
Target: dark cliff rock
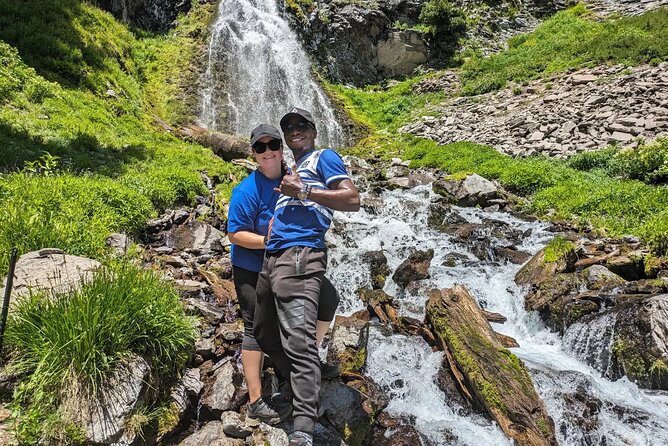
x: 153, y: 15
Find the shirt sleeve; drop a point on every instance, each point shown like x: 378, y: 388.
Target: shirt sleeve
x: 331, y: 167
x: 243, y: 210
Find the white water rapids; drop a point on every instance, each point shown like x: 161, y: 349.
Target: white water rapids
x: 587, y: 409
x: 257, y: 71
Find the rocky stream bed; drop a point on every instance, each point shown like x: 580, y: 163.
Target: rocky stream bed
x: 433, y: 298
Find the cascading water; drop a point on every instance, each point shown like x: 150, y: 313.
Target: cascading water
x: 257, y: 71
x: 587, y: 408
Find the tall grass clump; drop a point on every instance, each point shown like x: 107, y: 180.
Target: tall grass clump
x: 570, y: 39
x: 64, y: 346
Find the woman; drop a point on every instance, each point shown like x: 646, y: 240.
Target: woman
x: 251, y: 209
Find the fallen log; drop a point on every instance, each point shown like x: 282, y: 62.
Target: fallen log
x: 488, y: 374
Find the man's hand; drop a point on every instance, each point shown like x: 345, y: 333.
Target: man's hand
x: 291, y: 184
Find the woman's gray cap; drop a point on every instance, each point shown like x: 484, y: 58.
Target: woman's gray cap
x: 300, y: 112
x: 263, y: 130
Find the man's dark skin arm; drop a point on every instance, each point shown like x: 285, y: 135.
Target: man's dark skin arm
x: 342, y: 195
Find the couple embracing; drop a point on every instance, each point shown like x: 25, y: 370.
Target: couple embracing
x: 277, y: 223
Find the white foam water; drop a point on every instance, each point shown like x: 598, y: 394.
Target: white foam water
x: 406, y: 367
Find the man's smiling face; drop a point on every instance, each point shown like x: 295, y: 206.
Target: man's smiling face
x: 299, y: 134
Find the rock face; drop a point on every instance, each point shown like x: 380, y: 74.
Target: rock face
x: 487, y: 373
x: 630, y: 339
x: 154, y: 15
x: 355, y: 43
x: 588, y: 110
x: 106, y: 417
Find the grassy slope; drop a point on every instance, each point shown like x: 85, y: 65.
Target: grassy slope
x: 612, y: 204
x: 115, y: 170
x: 79, y: 161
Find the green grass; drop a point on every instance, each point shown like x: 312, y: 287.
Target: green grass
x: 612, y: 206
x: 66, y: 344
x: 570, y: 39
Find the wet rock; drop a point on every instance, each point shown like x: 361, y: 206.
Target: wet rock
x: 578, y: 308
x: 343, y: 408
x: 378, y: 269
x: 472, y: 191
x: 492, y: 376
x: 50, y: 269
x: 415, y: 267
x: 511, y: 254
x: 392, y: 431
x: 538, y: 269
x: 348, y: 342
x: 211, y: 434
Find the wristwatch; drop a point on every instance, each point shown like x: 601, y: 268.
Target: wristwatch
x: 303, y: 193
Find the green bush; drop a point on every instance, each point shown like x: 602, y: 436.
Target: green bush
x: 647, y: 162
x: 446, y: 20
x: 66, y: 345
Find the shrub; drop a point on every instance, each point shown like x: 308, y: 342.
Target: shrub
x: 647, y: 162
x: 67, y: 344
x: 447, y: 22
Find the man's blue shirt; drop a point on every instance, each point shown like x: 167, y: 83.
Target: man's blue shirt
x: 251, y: 208
x: 305, y: 222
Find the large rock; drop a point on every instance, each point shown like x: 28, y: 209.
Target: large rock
x: 487, y: 373
x: 197, y: 238
x: 378, y: 269
x: 105, y: 418
x: 50, y: 269
x: 474, y: 190
x: 415, y: 267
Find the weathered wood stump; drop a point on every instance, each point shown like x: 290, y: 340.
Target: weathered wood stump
x: 486, y: 372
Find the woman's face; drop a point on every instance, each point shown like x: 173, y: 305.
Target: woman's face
x: 269, y: 159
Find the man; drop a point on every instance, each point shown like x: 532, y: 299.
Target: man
x: 289, y: 284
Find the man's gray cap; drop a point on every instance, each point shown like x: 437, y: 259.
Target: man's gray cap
x: 263, y: 130
x: 299, y: 112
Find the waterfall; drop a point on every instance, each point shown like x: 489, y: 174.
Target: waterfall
x: 591, y: 341
x: 257, y: 71
x: 587, y: 408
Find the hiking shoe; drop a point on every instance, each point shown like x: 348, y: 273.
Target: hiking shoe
x: 329, y: 371
x: 268, y: 411
x: 299, y: 438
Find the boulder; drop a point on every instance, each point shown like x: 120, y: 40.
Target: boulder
x: 415, y: 267
x: 472, y: 191
x: 50, y: 269
x: 152, y: 15
x: 197, y: 238
x: 234, y: 426
x: 488, y: 374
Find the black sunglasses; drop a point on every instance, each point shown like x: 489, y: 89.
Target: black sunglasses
x: 301, y: 126
x: 261, y: 147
